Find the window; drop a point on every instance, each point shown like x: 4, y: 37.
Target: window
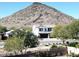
x: 40, y: 29
x: 45, y: 29
x: 49, y: 29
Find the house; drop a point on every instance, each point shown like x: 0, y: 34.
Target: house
x: 42, y: 31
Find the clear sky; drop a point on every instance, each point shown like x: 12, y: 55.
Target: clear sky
x: 70, y: 8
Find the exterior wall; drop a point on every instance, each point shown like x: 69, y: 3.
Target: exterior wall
x: 35, y: 30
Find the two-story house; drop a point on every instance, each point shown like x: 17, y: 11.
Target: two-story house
x: 42, y: 31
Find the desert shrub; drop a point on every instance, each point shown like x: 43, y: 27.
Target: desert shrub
x: 54, y: 46
x: 2, y: 29
x: 30, y: 40
x: 73, y: 44
x: 14, y: 44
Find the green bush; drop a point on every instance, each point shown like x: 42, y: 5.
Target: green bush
x: 73, y: 44
x: 19, y: 33
x: 30, y: 40
x: 14, y: 44
x: 2, y: 29
x: 54, y: 46
x: 69, y: 31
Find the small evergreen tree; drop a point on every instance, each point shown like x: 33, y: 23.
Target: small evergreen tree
x: 30, y: 40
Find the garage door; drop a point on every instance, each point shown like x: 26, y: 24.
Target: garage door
x: 43, y: 35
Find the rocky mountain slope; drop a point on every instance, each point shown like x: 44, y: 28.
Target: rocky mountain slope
x: 37, y: 13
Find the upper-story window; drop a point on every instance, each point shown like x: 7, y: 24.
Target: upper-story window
x: 49, y: 29
x: 40, y: 29
x: 45, y: 29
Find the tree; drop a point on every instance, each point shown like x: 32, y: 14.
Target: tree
x: 74, y: 28
x: 70, y: 31
x: 2, y: 29
x: 30, y: 40
x: 14, y: 44
x: 55, y: 32
x: 63, y: 32
x: 27, y: 28
x: 19, y: 33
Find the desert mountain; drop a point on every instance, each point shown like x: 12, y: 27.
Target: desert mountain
x: 37, y: 13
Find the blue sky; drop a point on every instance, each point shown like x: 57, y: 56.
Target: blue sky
x: 70, y: 8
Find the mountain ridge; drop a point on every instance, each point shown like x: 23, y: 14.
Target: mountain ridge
x: 37, y: 13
